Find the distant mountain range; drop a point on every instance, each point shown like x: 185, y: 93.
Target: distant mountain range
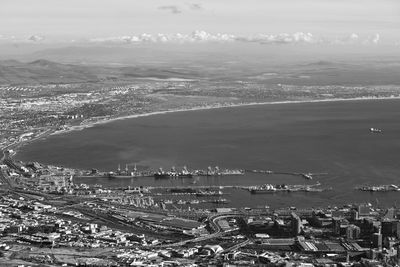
x: 217, y: 63
x: 44, y: 72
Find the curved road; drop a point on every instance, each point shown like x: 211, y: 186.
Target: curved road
x: 214, y: 225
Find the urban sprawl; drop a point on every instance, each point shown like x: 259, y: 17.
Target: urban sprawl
x: 46, y: 219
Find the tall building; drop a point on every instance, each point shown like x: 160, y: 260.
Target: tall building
x: 295, y: 224
x: 377, y: 240
x: 354, y: 215
x: 353, y: 232
x: 336, y: 222
x: 391, y: 228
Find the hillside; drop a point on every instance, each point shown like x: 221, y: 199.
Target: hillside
x: 44, y: 72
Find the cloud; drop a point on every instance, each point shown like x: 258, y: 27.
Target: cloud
x: 6, y: 38
x: 350, y: 39
x: 36, y: 38
x: 278, y: 39
x: 196, y: 36
x: 195, y: 6
x: 171, y: 8
x: 375, y: 39
x: 353, y: 36
x: 282, y: 38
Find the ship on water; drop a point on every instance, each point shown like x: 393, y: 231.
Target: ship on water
x: 126, y: 173
x: 217, y: 172
x: 219, y: 201
x: 307, y: 176
x: 375, y: 130
x: 94, y: 173
x: 173, y: 173
x: 379, y: 188
x: 269, y: 188
x: 208, y: 193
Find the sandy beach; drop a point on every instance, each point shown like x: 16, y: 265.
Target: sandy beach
x: 111, y: 119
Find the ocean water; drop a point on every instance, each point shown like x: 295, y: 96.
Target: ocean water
x: 324, y: 137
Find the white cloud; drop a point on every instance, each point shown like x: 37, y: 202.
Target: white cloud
x: 373, y: 39
x: 6, y: 38
x: 282, y: 38
x: 196, y: 36
x: 376, y: 38
x: 353, y: 37
x: 203, y: 36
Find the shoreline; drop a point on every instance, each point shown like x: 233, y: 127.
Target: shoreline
x: 211, y: 107
x: 17, y: 146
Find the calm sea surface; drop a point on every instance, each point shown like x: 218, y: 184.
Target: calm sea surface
x: 325, y: 137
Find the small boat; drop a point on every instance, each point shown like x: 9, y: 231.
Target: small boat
x: 307, y: 176
x: 375, y: 130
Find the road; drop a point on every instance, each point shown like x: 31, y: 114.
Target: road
x: 237, y: 246
x: 214, y: 225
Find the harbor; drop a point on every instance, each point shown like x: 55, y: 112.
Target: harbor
x: 184, y: 172
x: 160, y: 173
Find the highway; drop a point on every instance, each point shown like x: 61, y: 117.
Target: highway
x: 237, y: 246
x: 214, y: 225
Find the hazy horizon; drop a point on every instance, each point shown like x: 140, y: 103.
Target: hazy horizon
x: 330, y: 27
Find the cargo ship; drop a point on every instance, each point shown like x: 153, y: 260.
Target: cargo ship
x: 127, y: 173
x: 173, y: 173
x: 94, y: 173
x: 217, y: 172
x: 208, y: 193
x: 379, y: 188
x: 269, y: 188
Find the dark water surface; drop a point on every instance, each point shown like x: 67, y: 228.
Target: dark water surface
x: 324, y: 137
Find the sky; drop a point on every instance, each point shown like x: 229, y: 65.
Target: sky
x: 368, y: 21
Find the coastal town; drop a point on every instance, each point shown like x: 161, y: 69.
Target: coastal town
x: 201, y: 133
x: 49, y: 220
x: 36, y: 109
